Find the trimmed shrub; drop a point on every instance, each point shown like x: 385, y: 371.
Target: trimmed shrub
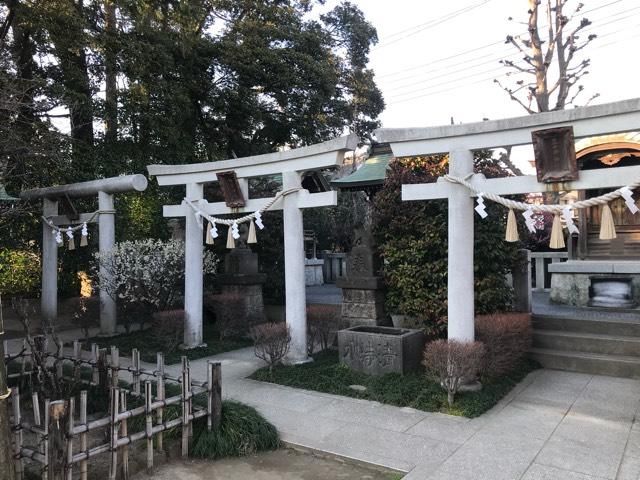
x: 226, y: 308
x: 412, y: 239
x: 507, y: 338
x: 167, y: 329
x: 243, y: 431
x: 453, y: 363
x: 19, y: 272
x: 323, y: 323
x: 271, y: 342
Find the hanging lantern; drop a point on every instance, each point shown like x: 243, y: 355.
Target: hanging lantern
x: 607, y: 227
x: 84, y: 235
x: 512, y: 227
x: 252, y: 238
x: 557, y: 237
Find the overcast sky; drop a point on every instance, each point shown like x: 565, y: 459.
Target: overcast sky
x: 437, y: 60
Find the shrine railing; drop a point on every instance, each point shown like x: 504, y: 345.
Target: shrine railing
x: 540, y: 262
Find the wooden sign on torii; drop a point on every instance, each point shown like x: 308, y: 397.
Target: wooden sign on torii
x: 291, y: 164
x: 459, y: 141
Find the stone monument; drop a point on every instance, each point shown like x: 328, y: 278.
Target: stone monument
x: 362, y: 289
x: 242, y: 278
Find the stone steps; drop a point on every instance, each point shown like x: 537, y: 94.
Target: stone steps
x: 603, y: 345
x: 597, y: 364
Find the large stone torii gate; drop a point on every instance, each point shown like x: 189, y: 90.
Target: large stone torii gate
x: 460, y: 141
x: 105, y: 189
x: 291, y: 164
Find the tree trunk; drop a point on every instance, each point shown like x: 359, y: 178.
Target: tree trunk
x: 111, y: 94
x: 541, y: 92
x: 6, y: 454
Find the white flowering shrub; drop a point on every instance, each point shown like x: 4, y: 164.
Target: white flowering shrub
x: 147, y: 274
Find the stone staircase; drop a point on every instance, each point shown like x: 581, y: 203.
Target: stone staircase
x: 589, y: 341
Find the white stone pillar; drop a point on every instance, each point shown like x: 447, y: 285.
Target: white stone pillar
x: 106, y: 240
x: 193, y: 289
x: 460, y: 291
x: 49, y: 296
x: 294, y: 280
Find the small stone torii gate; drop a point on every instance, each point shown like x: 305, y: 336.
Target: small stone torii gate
x: 459, y: 141
x: 104, y: 189
x: 291, y: 164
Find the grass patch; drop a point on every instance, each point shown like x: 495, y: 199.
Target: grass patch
x: 148, y: 346
x: 242, y: 431
x: 327, y: 374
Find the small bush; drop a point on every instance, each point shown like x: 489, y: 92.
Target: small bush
x: 271, y: 342
x: 506, y: 337
x: 167, y: 329
x: 19, y: 272
x: 453, y: 363
x: 323, y: 323
x: 227, y: 308
x: 242, y: 431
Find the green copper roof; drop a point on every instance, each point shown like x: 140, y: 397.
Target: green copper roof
x: 372, y: 172
x: 5, y: 197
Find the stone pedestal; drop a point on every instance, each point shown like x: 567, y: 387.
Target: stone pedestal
x: 241, y: 278
x: 313, y: 272
x: 362, y: 290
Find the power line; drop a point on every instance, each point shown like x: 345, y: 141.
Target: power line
x: 430, y: 24
x: 493, y: 77
x: 495, y: 59
x: 482, y: 47
x: 453, y: 80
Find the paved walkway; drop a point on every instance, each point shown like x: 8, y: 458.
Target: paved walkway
x: 553, y: 425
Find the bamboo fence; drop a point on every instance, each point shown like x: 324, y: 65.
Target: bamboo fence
x: 62, y: 431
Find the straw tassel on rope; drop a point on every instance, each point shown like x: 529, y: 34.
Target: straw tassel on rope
x: 252, y: 233
x: 557, y: 237
x: 231, y: 243
x: 72, y: 244
x: 209, y: 236
x: 607, y: 226
x: 84, y: 236
x: 512, y: 227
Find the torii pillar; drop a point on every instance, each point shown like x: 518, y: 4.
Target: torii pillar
x: 104, y: 189
x: 291, y: 164
x: 459, y: 141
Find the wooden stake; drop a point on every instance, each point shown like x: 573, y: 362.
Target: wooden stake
x: 17, y: 435
x: 83, y: 436
x: 214, y: 391
x: 77, y: 355
x: 159, y: 396
x: 113, y: 427
x: 135, y: 360
x: 45, y: 437
x: 124, y: 433
x: 149, y: 423
x: 95, y: 377
x: 185, y: 409
x: 68, y: 465
x: 115, y: 364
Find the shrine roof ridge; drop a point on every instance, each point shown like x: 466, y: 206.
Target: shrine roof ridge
x: 396, y: 135
x: 343, y: 143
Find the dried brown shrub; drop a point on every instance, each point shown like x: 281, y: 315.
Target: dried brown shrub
x: 167, y: 329
x: 226, y: 307
x: 507, y: 338
x: 453, y: 363
x: 323, y: 323
x: 271, y: 342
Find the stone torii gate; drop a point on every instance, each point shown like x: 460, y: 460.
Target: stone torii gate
x: 459, y: 141
x: 291, y: 164
x: 104, y: 189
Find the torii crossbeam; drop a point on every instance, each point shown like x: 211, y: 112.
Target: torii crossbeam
x: 291, y: 164
x: 459, y: 141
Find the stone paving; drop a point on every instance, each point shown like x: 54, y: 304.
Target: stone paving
x: 553, y: 425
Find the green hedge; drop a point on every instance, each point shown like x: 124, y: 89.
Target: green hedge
x: 19, y: 272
